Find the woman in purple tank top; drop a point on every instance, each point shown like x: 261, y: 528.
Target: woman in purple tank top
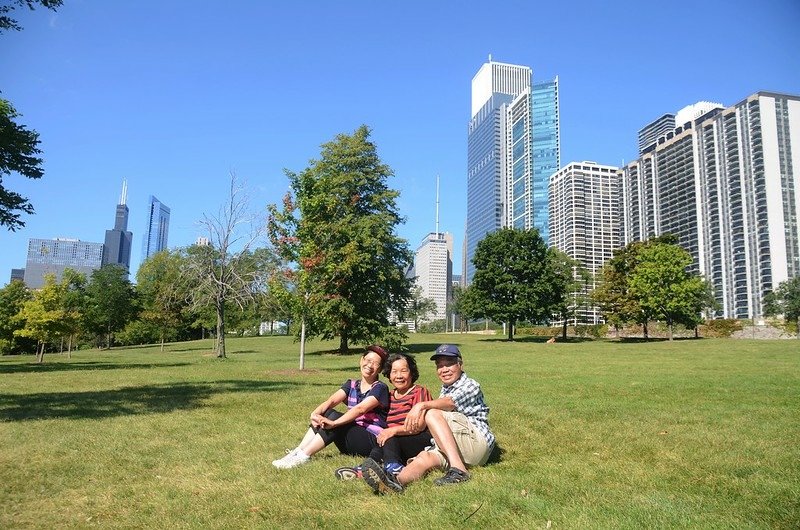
x: 354, y: 432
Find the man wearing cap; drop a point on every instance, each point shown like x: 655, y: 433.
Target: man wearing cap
x: 458, y: 421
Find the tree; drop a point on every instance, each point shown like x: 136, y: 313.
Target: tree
x: 338, y: 225
x: 664, y: 288
x: 573, y: 280
x: 224, y: 272
x: 418, y: 308
x: 8, y: 23
x: 514, y: 279
x: 12, y: 297
x: 613, y: 295
x: 43, y: 315
x: 161, y: 293
x: 18, y: 153
x: 785, y: 300
x: 73, y: 305
x: 19, y: 146
x: 111, y: 302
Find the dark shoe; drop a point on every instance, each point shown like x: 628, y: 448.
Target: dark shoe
x: 348, y: 473
x: 453, y: 476
x: 379, y: 481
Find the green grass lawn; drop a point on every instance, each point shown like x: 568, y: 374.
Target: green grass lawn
x: 688, y: 434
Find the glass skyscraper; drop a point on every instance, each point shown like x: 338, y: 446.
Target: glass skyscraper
x: 512, y: 149
x: 155, y: 235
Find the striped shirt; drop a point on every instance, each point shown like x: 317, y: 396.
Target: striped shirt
x: 373, y: 421
x: 467, y: 395
x: 399, y: 406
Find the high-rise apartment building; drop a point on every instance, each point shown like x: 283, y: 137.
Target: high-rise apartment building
x: 155, y: 236
x: 52, y: 256
x: 117, y: 249
x: 651, y: 132
x: 727, y: 184
x: 585, y: 219
x: 433, y: 267
x: 512, y: 149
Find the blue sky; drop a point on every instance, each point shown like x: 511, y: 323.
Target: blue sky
x: 172, y: 95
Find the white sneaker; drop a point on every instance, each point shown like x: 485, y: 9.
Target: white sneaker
x: 293, y: 459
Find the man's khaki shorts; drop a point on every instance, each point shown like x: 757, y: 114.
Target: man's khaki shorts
x: 471, y: 443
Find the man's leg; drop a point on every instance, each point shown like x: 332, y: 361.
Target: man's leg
x: 443, y: 436
x: 417, y: 468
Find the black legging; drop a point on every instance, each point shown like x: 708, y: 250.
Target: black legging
x: 350, y: 439
x: 401, y: 448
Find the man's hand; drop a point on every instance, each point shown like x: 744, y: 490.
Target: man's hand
x: 415, y: 420
x: 386, y: 434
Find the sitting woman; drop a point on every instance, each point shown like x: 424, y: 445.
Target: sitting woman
x: 396, y: 444
x: 355, y: 431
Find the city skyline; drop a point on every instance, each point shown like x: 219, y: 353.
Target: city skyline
x: 138, y: 92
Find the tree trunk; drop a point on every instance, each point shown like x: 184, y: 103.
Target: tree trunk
x: 644, y: 330
x: 221, y: 329
x: 69, y: 346
x: 564, y: 330
x: 162, y: 343
x: 343, y: 339
x: 40, y: 353
x: 511, y: 331
x: 669, y: 329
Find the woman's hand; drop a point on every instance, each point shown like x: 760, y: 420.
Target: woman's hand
x: 385, y: 435
x: 326, y: 423
x: 317, y: 419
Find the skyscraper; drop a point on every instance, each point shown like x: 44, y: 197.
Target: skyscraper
x: 117, y: 249
x: 433, y: 266
x: 512, y: 149
x: 727, y: 184
x: 52, y: 256
x: 584, y: 222
x: 155, y: 236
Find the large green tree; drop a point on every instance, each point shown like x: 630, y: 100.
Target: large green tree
x: 111, y: 302
x: 12, y: 297
x: 19, y: 150
x: 162, y: 293
x: 337, y: 224
x: 785, y: 300
x: 19, y: 146
x: 613, y: 295
x: 664, y: 288
x: 514, y: 279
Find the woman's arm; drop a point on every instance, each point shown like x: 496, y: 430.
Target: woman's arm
x: 365, y: 406
x: 317, y: 414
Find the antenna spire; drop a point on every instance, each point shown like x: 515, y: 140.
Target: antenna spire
x: 437, y: 205
x: 123, y: 198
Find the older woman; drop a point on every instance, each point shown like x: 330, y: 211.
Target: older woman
x: 355, y: 431
x: 396, y: 443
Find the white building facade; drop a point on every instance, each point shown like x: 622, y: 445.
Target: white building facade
x: 585, y: 220
x: 727, y: 184
x: 433, y: 267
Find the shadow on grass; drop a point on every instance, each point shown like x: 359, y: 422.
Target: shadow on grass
x: 147, y: 399
x: 642, y: 340
x: 69, y: 366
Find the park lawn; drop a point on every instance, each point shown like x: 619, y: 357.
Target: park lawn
x: 595, y: 434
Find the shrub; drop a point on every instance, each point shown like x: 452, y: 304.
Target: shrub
x: 720, y: 327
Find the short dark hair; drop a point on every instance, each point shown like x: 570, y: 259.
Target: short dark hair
x: 412, y: 365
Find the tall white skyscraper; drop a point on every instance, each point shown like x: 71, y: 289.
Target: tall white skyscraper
x: 727, y: 184
x: 157, y: 231
x: 585, y: 220
x: 433, y: 266
x: 513, y: 147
